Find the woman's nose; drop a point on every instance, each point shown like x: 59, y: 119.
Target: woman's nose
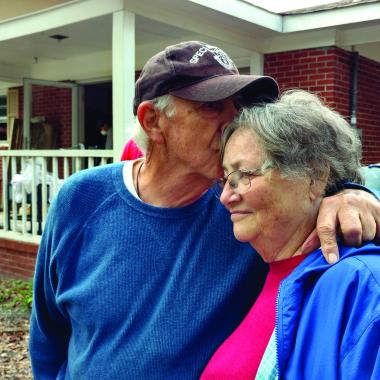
x: 228, y: 195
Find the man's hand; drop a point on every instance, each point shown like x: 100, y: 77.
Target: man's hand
x: 355, y: 214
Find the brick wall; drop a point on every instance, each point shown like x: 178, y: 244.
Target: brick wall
x: 327, y: 72
x: 17, y: 259
x: 55, y: 104
x: 368, y: 114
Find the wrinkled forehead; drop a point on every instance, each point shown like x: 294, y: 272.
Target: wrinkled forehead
x: 242, y: 148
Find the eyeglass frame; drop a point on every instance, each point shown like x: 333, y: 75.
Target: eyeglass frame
x: 243, y: 173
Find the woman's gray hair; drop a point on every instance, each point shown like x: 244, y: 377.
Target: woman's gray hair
x: 301, y: 137
x: 163, y: 103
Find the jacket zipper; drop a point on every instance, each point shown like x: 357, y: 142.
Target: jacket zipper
x: 276, y: 331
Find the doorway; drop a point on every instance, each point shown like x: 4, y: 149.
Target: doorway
x: 97, y: 109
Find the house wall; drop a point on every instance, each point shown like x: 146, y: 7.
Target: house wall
x: 55, y: 104
x: 17, y: 259
x: 369, y: 107
x: 327, y: 72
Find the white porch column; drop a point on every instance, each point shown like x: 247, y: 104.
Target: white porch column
x: 74, y: 115
x: 26, y: 113
x: 256, y: 64
x: 123, y: 78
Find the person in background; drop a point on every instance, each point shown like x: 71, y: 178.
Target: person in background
x: 311, y: 320
x: 131, y: 151
x: 105, y: 129
x: 138, y: 274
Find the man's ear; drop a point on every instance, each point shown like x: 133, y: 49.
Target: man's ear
x: 149, y: 117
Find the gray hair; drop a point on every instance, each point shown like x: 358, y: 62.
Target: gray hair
x: 163, y: 103
x: 301, y: 137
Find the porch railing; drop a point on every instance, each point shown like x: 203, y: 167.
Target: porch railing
x: 30, y: 179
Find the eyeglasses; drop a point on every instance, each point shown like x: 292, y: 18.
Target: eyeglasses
x: 240, y: 180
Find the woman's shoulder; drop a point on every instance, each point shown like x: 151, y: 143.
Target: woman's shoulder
x: 356, y: 264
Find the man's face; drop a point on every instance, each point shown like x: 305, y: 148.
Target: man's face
x: 193, y: 135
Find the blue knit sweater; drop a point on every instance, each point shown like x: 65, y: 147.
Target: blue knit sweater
x: 126, y: 290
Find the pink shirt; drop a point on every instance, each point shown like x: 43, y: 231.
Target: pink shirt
x: 131, y: 151
x: 240, y: 354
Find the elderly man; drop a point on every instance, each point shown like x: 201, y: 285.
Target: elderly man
x: 138, y: 274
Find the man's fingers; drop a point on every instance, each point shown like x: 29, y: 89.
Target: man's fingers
x: 329, y: 246
x: 369, y: 228
x: 326, y: 230
x: 351, y: 226
x: 377, y: 221
x: 356, y: 212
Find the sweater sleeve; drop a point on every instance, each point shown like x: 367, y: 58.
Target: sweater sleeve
x: 356, y: 186
x: 49, y: 328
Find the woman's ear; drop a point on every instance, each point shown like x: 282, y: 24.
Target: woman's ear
x: 318, y: 186
x: 149, y: 117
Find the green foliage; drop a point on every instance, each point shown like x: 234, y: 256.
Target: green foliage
x: 15, y: 295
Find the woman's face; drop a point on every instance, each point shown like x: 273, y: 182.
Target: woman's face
x: 276, y: 214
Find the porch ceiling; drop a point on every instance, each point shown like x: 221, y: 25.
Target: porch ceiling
x: 163, y: 23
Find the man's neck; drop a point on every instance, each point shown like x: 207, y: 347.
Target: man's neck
x: 168, y: 186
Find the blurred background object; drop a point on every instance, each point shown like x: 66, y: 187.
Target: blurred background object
x: 371, y: 174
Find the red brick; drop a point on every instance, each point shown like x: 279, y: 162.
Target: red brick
x: 317, y: 89
x: 317, y: 52
x: 17, y: 259
x: 317, y: 76
x: 308, y: 60
x: 328, y: 57
x: 300, y: 66
x: 301, y: 54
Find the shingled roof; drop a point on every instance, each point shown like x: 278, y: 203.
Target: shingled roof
x: 332, y: 5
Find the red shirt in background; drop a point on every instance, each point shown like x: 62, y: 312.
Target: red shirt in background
x: 131, y: 151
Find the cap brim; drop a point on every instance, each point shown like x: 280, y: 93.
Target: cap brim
x: 250, y: 88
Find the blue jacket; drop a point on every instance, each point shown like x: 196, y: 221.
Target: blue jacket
x: 328, y: 317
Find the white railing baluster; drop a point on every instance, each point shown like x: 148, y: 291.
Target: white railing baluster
x: 5, y: 162
x: 66, y: 172
x: 34, y: 205
x: 73, y: 165
x: 44, y: 192
x: 55, y: 176
x: 13, y: 193
x: 77, y: 164
x: 23, y: 201
x: 91, y: 162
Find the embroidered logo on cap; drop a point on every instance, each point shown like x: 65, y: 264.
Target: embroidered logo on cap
x: 218, y: 54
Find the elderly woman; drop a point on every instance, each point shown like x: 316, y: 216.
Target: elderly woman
x: 311, y: 320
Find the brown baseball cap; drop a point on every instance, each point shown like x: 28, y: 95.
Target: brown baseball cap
x: 195, y: 70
